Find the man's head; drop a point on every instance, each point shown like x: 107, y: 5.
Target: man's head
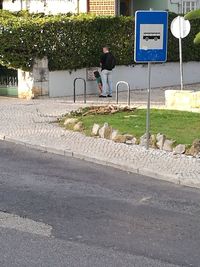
x: 105, y: 49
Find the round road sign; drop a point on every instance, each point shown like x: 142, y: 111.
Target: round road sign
x: 180, y: 27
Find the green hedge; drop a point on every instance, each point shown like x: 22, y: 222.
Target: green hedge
x: 72, y: 42
x: 7, y: 72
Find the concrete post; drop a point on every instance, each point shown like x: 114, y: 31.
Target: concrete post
x: 35, y: 83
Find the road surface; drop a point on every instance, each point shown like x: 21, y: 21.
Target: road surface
x: 57, y: 211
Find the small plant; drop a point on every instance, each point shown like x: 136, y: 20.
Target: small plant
x: 191, y: 16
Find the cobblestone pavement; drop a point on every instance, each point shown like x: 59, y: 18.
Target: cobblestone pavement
x: 32, y: 123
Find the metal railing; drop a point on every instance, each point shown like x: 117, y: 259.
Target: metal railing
x: 84, y: 81
x: 8, y: 81
x: 129, y: 92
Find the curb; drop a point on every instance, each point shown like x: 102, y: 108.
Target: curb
x: 98, y: 160
x: 142, y: 171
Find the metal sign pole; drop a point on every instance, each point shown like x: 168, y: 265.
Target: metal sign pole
x: 181, y: 62
x: 151, y: 34
x: 148, y: 106
x: 180, y: 53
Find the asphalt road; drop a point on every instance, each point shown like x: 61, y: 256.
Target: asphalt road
x: 57, y: 211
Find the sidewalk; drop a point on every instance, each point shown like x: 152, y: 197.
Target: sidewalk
x: 32, y: 123
x: 138, y: 96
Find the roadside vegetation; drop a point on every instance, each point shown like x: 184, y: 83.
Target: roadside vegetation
x: 73, y: 42
x: 183, y: 127
x: 194, y: 15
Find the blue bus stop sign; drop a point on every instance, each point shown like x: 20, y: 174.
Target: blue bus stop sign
x: 151, y: 35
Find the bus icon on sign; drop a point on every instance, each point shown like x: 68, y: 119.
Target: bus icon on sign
x: 151, y: 36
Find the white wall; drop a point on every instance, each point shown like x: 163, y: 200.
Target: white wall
x: 61, y: 6
x: 36, y: 6
x: 61, y: 82
x: 51, y: 7
x: 25, y: 84
x: 83, y: 6
x: 16, y: 6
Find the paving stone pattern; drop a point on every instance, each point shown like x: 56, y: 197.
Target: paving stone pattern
x: 32, y: 123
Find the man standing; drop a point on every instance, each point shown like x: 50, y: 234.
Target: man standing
x: 107, y: 63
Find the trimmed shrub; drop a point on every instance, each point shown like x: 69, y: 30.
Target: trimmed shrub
x: 75, y: 41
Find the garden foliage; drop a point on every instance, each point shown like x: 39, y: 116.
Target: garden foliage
x: 75, y: 41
